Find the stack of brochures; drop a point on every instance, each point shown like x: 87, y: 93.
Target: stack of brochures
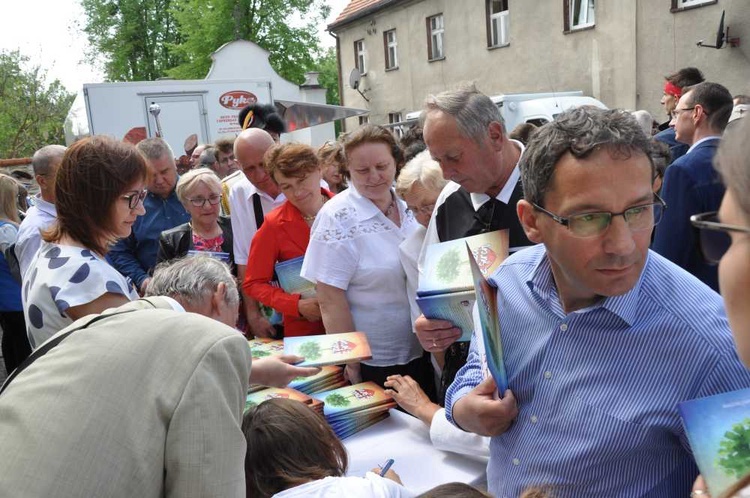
x: 261, y: 347
x: 329, y: 349
x: 259, y: 397
x: 330, y: 377
x: 446, y: 285
x: 351, y: 409
x: 718, y: 428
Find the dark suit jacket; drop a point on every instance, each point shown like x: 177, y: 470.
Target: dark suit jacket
x: 283, y: 236
x: 691, y: 186
x: 177, y: 241
x: 678, y: 149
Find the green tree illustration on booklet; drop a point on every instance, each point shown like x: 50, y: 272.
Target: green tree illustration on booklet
x: 310, y: 350
x: 337, y: 400
x: 448, y: 265
x: 734, y: 450
x: 329, y: 349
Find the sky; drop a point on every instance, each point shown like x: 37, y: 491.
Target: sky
x: 49, y: 32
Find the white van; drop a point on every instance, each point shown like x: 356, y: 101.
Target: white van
x: 535, y: 108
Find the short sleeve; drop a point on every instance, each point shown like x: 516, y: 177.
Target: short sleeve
x: 331, y: 256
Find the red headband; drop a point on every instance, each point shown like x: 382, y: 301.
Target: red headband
x: 672, y: 89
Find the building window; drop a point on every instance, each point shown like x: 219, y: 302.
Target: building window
x: 360, y: 61
x: 391, y: 49
x: 579, y: 14
x: 435, y: 31
x: 363, y: 120
x: 395, y: 117
x: 497, y: 23
x: 683, y: 4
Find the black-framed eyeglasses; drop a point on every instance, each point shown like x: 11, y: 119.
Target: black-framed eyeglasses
x: 714, y: 236
x: 199, y: 202
x: 638, y: 218
x: 135, y: 197
x: 676, y: 112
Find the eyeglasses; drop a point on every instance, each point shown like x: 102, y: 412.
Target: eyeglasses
x: 676, y: 112
x: 135, y: 197
x: 638, y: 218
x: 713, y: 236
x: 200, y: 201
x: 427, y: 209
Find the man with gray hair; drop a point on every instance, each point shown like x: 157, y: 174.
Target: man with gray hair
x: 464, y: 132
x: 142, y: 400
x: 42, y: 214
x: 601, y: 338
x: 135, y: 256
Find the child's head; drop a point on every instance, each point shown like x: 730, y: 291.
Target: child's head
x: 453, y: 490
x: 288, y: 444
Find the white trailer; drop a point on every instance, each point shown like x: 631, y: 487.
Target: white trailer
x: 206, y: 108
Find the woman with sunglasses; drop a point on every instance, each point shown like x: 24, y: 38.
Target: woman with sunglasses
x: 725, y: 239
x: 99, y: 193
x: 199, y: 190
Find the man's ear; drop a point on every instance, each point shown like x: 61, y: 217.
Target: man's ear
x: 495, y: 134
x: 41, y: 180
x: 218, y: 298
x: 529, y: 218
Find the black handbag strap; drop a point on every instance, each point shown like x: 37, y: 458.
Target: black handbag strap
x: 47, y: 346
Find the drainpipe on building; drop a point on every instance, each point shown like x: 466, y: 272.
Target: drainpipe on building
x: 341, y: 84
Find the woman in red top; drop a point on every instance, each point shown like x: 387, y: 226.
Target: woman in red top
x: 285, y: 234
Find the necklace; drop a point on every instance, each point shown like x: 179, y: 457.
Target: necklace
x: 390, y: 207
x: 312, y: 217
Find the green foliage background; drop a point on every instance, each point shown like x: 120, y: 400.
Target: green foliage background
x: 32, y: 110
x: 140, y: 40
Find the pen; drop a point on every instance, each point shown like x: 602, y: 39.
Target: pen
x: 386, y: 467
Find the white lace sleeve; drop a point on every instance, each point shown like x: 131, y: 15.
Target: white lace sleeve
x: 331, y: 256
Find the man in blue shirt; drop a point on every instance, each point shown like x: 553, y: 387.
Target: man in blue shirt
x: 601, y: 338
x: 135, y: 256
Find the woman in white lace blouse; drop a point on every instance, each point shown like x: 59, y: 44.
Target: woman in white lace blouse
x: 353, y: 258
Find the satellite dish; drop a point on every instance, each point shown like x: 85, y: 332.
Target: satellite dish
x: 720, y: 35
x: 354, y: 78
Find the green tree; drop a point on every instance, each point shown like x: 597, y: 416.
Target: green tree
x: 337, y: 400
x: 32, y: 112
x: 734, y: 450
x: 310, y: 350
x: 135, y: 37
x: 327, y: 66
x: 287, y: 29
x: 447, y: 266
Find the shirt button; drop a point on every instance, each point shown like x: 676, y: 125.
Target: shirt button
x: 547, y: 375
x: 534, y: 419
x: 564, y: 327
x: 516, y: 461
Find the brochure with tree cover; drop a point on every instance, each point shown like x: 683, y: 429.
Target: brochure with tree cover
x: 329, y: 377
x: 446, y: 286
x: 261, y: 347
x: 487, y: 298
x: 288, y: 273
x: 259, y: 397
x: 351, y: 399
x: 718, y: 428
x: 329, y: 349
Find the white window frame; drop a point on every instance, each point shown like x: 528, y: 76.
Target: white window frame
x: 360, y: 55
x: 437, y: 37
x: 681, y: 4
x: 396, y: 117
x: 587, y: 11
x: 391, y: 49
x: 499, y: 29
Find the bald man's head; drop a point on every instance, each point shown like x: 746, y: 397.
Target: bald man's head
x: 249, y: 148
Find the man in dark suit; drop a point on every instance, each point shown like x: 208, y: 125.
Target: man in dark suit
x: 674, y: 87
x: 691, y: 185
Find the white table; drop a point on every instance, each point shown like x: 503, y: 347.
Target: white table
x: 407, y: 440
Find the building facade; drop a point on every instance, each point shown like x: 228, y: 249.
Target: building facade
x: 616, y: 51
